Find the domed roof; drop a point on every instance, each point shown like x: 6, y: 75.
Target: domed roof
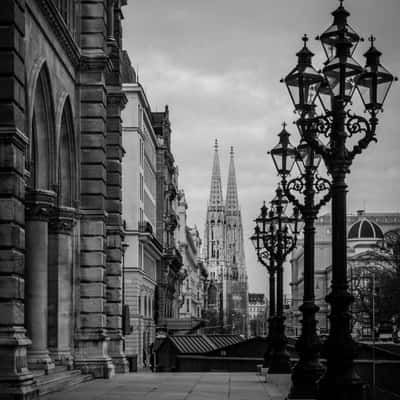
x: 365, y: 229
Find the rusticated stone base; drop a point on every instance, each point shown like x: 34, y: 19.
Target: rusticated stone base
x: 99, y: 368
x: 16, y: 381
x: 116, y: 352
x: 40, y: 360
x: 91, y: 355
x: 62, y: 357
x: 19, y: 389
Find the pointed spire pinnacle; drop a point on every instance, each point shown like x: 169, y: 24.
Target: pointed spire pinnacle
x: 216, y: 186
x: 232, y: 202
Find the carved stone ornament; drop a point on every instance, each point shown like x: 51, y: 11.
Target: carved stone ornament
x: 62, y: 220
x: 39, y: 204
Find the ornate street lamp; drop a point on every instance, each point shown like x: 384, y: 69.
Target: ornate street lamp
x: 343, y: 75
x: 266, y: 259
x: 309, y: 369
x: 275, y: 237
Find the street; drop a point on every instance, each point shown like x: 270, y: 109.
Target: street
x: 174, y: 386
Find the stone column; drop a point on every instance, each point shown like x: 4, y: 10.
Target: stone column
x: 60, y: 324
x: 38, y: 207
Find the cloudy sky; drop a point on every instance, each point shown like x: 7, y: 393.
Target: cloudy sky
x: 217, y: 64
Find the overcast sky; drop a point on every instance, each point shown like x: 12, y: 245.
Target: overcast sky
x: 217, y: 64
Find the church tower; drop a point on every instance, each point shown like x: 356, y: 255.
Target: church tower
x: 214, y: 250
x: 224, y: 254
x: 234, y: 252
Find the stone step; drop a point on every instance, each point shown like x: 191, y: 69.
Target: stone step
x: 59, y: 379
x: 41, y: 372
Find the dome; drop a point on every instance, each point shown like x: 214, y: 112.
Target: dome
x: 364, y: 229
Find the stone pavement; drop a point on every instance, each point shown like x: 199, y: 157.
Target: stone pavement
x: 174, y: 386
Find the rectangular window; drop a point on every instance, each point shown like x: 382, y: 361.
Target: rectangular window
x: 187, y: 305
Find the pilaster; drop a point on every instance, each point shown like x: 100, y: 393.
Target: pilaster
x: 92, y: 341
x: 114, y: 230
x: 16, y: 381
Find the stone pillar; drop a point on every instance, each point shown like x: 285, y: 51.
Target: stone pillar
x: 116, y: 100
x: 91, y: 353
x: 38, y: 207
x: 60, y: 323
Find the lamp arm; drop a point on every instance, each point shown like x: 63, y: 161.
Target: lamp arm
x: 320, y: 185
x: 356, y: 124
x: 297, y: 185
x: 262, y: 256
x: 261, y: 261
x: 290, y: 242
x: 314, y: 127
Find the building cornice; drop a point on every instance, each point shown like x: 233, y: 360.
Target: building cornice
x: 95, y: 61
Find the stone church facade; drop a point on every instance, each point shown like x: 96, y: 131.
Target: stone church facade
x: 60, y: 189
x: 224, y: 254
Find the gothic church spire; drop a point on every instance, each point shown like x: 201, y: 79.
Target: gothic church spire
x: 232, y: 202
x: 216, y: 186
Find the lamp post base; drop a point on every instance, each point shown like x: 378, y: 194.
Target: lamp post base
x: 279, y: 362
x: 335, y: 389
x: 304, y: 381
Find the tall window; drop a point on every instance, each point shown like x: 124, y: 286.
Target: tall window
x: 187, y: 305
x: 149, y: 306
x: 141, y: 186
x: 140, y: 117
x: 140, y: 249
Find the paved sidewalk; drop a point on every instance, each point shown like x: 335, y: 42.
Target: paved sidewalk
x: 174, y: 386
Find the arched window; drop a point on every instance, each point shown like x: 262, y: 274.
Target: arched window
x: 41, y: 144
x: 66, y: 167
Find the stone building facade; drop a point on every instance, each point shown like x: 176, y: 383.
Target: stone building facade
x: 143, y: 250
x: 257, y: 311
x: 60, y: 189
x: 169, y: 274
x: 359, y: 248
x: 194, y: 284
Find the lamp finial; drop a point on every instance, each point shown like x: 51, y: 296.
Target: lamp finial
x: 372, y: 39
x: 305, y: 39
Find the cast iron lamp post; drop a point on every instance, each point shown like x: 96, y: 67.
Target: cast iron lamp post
x: 278, y: 234
x: 265, y: 258
x: 309, y: 369
x: 342, y: 76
